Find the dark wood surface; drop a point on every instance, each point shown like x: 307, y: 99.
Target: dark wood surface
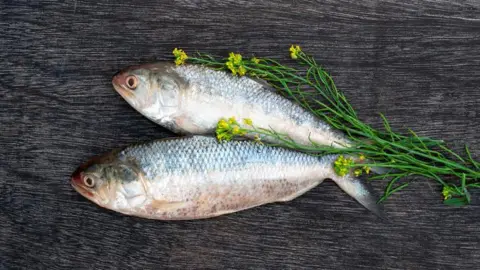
x: 417, y: 62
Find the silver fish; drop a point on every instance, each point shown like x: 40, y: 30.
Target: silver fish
x: 191, y: 99
x: 196, y: 177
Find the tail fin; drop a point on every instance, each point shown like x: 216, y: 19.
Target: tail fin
x: 361, y: 192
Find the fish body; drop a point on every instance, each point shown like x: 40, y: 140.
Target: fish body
x: 191, y: 99
x: 196, y: 177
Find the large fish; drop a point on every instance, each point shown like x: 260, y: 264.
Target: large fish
x: 191, y: 99
x: 196, y: 177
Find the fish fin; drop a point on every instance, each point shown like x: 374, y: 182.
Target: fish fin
x: 265, y: 84
x: 164, y: 205
x: 300, y: 192
x: 361, y: 192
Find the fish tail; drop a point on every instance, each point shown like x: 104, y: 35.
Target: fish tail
x: 360, y: 191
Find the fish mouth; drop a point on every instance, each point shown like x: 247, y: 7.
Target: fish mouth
x: 122, y: 91
x: 76, y: 181
x: 86, y: 193
x: 83, y: 191
x: 119, y: 86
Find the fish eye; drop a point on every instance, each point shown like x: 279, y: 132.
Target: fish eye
x: 132, y: 82
x: 89, y: 182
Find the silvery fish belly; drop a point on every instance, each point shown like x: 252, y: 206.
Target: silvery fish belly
x: 197, y: 177
x: 191, y: 99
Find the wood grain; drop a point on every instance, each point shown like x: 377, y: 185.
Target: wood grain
x: 417, y: 62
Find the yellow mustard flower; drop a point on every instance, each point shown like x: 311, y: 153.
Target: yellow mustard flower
x: 342, y: 165
x: 180, y: 56
x: 222, y: 123
x: 227, y: 129
x: 235, y: 64
x: 232, y: 68
x: 241, y: 70
x: 447, y: 192
x: 361, y: 157
x: 295, y: 51
x: 248, y: 121
x: 222, y: 130
x: 357, y: 172
x: 232, y: 120
x: 236, y: 130
x: 366, y: 169
x: 236, y: 58
x: 255, y: 60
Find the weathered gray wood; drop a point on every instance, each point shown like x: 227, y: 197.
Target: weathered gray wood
x: 417, y: 62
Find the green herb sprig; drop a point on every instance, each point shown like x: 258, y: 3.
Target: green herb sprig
x: 402, y: 155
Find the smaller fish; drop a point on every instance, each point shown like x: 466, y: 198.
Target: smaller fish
x: 196, y: 177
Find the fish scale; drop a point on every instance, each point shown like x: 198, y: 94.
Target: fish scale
x: 221, y: 84
x: 197, y: 154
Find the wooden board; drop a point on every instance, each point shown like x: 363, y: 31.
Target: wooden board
x: 417, y: 62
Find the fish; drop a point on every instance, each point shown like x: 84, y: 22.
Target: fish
x: 191, y: 99
x: 196, y: 177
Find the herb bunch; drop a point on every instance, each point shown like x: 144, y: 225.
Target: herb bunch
x: 401, y: 155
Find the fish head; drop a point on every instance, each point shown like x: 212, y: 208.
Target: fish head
x: 110, y: 183
x: 152, y: 89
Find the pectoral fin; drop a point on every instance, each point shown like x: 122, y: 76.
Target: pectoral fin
x: 163, y: 205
